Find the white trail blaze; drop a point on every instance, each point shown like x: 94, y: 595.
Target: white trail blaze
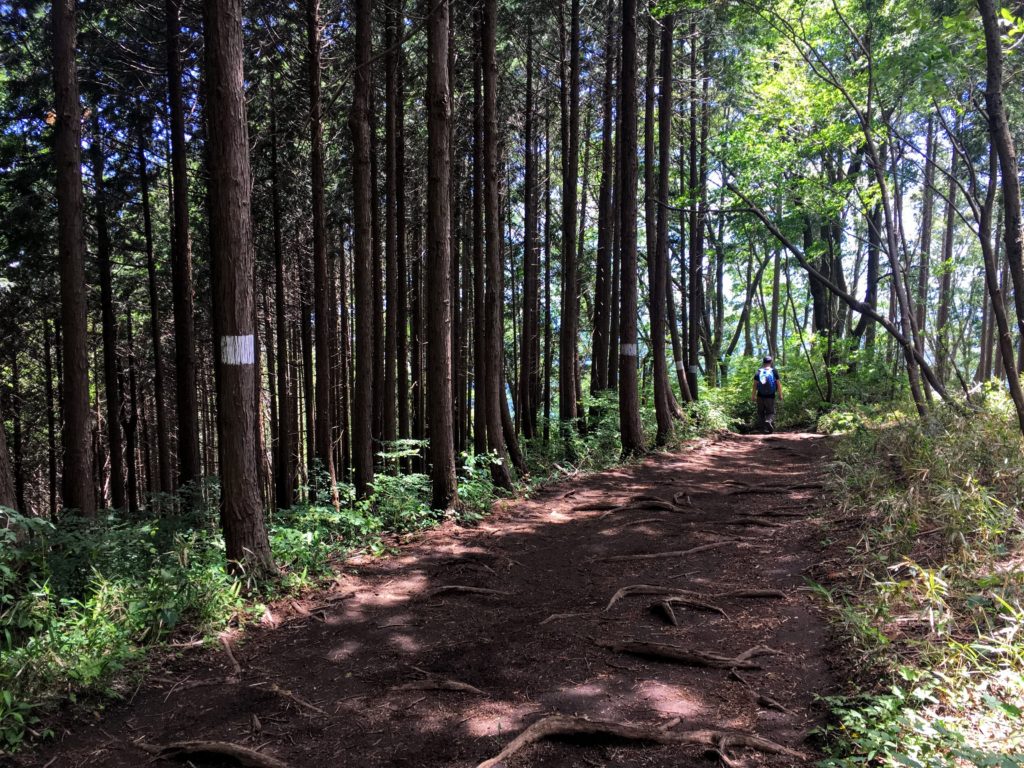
x: 627, y: 350
x: 237, y: 350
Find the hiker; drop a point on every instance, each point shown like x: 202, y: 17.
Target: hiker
x: 767, y: 387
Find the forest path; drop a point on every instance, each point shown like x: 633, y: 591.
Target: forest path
x: 365, y: 675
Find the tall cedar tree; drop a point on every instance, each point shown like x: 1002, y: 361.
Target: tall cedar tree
x: 570, y: 298
x: 632, y: 435
x: 362, y: 253
x: 231, y: 261
x: 439, y: 347
x: 186, y: 388
x: 67, y: 152
x: 494, y: 338
x: 323, y: 308
x: 660, y: 272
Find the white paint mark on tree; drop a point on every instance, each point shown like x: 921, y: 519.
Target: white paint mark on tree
x: 237, y: 350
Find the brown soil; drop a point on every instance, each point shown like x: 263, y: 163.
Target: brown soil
x: 377, y: 671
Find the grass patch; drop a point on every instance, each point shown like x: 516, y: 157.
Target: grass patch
x: 933, y: 603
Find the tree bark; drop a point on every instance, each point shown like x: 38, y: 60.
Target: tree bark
x: 630, y: 428
x: 659, y: 285
x: 231, y: 257
x: 605, y: 215
x: 479, y: 263
x: 323, y: 427
x: 186, y: 391
x: 439, y: 349
x: 284, y: 477
x: 570, y: 300
x: 527, y: 408
x: 362, y: 186
x: 108, y: 321
x: 164, y: 482
x: 77, y: 488
x: 1002, y: 140
x: 492, y: 226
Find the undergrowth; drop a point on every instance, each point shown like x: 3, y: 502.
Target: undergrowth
x: 81, y: 601
x: 933, y: 601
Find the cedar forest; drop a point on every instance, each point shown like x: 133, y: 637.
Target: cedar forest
x: 286, y: 283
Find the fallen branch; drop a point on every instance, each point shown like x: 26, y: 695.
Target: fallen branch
x: 243, y: 755
x: 554, y: 726
x: 664, y: 607
x: 459, y: 589
x: 678, y: 553
x: 667, y: 652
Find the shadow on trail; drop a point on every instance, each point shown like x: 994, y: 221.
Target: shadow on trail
x: 376, y: 672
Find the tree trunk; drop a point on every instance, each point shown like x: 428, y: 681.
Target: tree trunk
x: 605, y: 215
x: 439, y: 350
x: 946, y: 281
x: 548, y: 349
x: 284, y: 477
x: 527, y: 408
x: 391, y: 279
x: 323, y: 428
x: 629, y: 413
x: 659, y: 285
x: 51, y: 419
x: 570, y: 300
x: 78, y: 468
x: 186, y: 391
x: 1002, y: 141
x: 111, y: 390
x: 164, y: 482
x: 479, y: 265
x: 492, y: 227
x: 362, y: 253
x: 231, y: 258
x: 401, y: 256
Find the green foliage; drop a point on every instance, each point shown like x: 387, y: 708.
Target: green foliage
x: 938, y: 617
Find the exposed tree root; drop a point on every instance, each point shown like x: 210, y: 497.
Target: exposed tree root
x: 750, y: 520
x: 433, y: 683
x: 753, y: 594
x: 235, y: 666
x: 596, y: 506
x: 242, y: 755
x: 561, y: 616
x: 677, y: 553
x: 460, y: 589
x: 688, y: 597
x: 641, y: 589
x: 696, y: 604
x: 284, y: 693
x: 771, y: 489
x: 645, y: 506
x: 682, y: 498
x: 675, y: 653
x: 664, y: 608
x: 555, y: 726
x: 643, y: 521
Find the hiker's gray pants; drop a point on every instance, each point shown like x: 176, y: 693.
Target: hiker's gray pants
x: 765, y: 410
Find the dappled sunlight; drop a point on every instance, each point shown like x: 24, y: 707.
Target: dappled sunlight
x: 669, y: 700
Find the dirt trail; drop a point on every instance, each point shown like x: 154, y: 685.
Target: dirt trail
x: 366, y: 675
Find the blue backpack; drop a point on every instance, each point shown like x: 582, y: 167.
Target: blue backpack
x: 766, y: 382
